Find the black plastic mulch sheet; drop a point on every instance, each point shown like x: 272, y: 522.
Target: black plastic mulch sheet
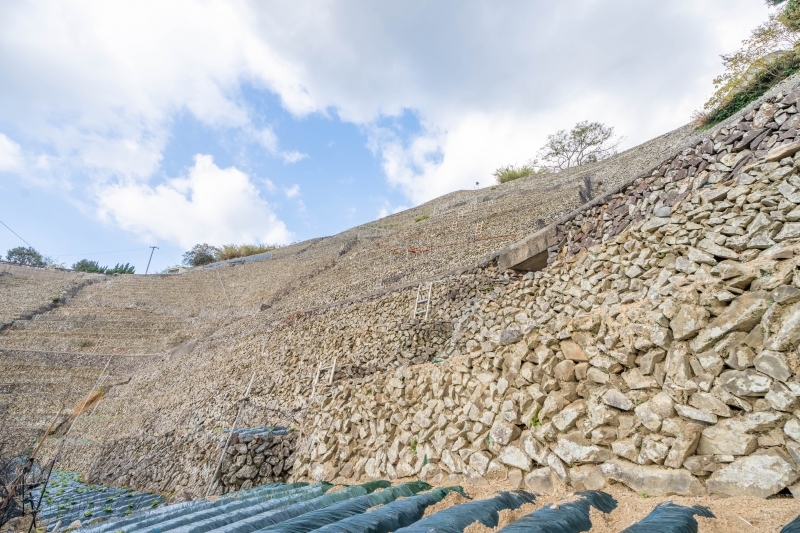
x: 346, y: 509
x: 669, y: 517
x: 570, y: 517
x: 390, y: 517
x: 455, y: 519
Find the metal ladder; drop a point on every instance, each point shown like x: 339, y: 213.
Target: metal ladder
x: 320, y: 370
x: 426, y: 301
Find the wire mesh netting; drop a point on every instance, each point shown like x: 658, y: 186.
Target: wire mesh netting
x: 66, y: 499
x: 18, y: 475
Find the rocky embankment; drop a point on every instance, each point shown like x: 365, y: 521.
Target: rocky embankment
x: 253, y: 460
x: 663, y: 358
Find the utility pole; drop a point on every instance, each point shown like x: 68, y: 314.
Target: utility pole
x: 152, y: 249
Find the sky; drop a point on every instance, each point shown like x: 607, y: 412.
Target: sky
x: 125, y: 125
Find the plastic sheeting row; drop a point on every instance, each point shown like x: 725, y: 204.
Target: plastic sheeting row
x: 66, y: 499
x: 378, y: 507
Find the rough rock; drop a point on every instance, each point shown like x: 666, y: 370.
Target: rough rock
x: 789, y: 333
x: 743, y: 314
x: 653, y: 480
x: 587, y: 477
x: 745, y: 382
x: 514, y: 456
x: 573, y: 448
x: 760, y: 476
x: 689, y: 320
x: 542, y: 481
x: 504, y: 432
x: 773, y: 364
x: 724, y: 439
x: 509, y: 336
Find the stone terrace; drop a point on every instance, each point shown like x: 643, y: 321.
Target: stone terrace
x: 176, y: 404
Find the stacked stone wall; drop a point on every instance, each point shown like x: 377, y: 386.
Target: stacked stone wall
x: 663, y: 357
x: 253, y: 460
x: 168, y: 411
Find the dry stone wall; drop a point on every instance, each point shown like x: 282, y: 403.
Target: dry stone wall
x: 28, y: 291
x: 253, y: 460
x: 197, y: 391
x: 664, y: 358
x: 158, y: 429
x: 720, y: 158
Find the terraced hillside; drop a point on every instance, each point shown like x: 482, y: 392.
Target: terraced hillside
x: 656, y: 349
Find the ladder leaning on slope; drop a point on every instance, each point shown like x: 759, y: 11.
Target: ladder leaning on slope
x: 320, y: 369
x: 426, y: 300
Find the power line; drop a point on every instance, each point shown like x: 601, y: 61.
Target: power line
x: 101, y: 253
x: 15, y: 233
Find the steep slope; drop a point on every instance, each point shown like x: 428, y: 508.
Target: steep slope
x: 404, y: 390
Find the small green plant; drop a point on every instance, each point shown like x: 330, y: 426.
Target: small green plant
x: 107, y: 509
x: 154, y: 504
x: 644, y: 495
x: 421, y: 218
x: 508, y: 173
x: 62, y: 505
x: 535, y: 419
x: 414, y: 446
x: 127, y: 512
x: 88, y: 514
x: 56, y: 300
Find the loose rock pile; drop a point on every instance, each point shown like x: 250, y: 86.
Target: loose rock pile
x: 252, y: 460
x: 664, y: 358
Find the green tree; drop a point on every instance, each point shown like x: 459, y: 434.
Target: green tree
x: 586, y: 142
x: 121, y: 269
x: 26, y: 256
x: 768, y: 56
x: 790, y: 14
x: 84, y: 265
x: 200, y: 254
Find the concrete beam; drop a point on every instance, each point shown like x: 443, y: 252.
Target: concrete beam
x: 530, y: 253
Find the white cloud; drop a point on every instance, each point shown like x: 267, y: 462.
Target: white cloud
x: 266, y: 137
x: 292, y: 156
x: 210, y: 204
x: 386, y: 209
x: 10, y: 155
x: 489, y: 81
x: 292, y: 191
x: 99, y: 85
